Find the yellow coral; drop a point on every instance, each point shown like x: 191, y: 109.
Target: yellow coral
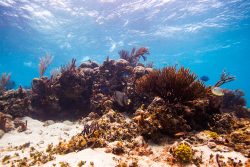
x: 183, y: 152
x: 212, y: 134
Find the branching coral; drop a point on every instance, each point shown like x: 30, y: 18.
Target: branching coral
x: 44, y: 63
x: 134, y: 56
x: 172, y: 85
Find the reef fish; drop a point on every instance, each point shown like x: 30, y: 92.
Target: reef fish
x: 180, y: 134
x: 204, y: 78
x: 121, y: 98
x: 218, y: 91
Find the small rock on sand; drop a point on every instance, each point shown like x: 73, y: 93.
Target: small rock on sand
x: 68, y: 123
x: 211, y: 145
x: 48, y: 123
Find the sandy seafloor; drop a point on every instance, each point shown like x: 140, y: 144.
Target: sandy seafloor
x: 40, y: 134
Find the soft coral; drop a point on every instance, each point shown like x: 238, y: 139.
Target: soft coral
x: 134, y: 56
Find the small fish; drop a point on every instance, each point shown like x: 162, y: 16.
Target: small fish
x: 121, y: 98
x: 204, y: 78
x: 218, y: 91
x: 180, y: 134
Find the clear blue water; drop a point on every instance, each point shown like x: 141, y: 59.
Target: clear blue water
x: 204, y: 35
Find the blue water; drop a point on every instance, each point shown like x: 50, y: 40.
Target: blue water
x: 204, y: 35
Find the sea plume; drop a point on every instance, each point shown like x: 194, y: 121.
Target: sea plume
x: 172, y: 85
x: 44, y: 63
x: 135, y: 55
x: 5, y: 78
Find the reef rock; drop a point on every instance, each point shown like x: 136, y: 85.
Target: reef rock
x: 16, y: 102
x: 6, y: 122
x: 139, y: 71
x: 66, y: 95
x: 160, y: 117
x: 89, y: 64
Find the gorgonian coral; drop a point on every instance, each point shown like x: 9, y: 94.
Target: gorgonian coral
x: 134, y: 56
x: 172, y: 85
x: 5, y: 78
x: 44, y: 63
x: 224, y: 78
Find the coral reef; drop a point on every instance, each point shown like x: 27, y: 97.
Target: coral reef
x: 124, y: 104
x: 234, y: 102
x: 114, y: 87
x: 160, y: 117
x: 16, y: 102
x: 112, y: 76
x: 89, y: 87
x: 67, y: 92
x: 170, y: 100
x: 182, y: 104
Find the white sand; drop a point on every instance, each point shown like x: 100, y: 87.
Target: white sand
x: 40, y: 136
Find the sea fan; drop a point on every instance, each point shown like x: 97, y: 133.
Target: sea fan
x: 172, y: 85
